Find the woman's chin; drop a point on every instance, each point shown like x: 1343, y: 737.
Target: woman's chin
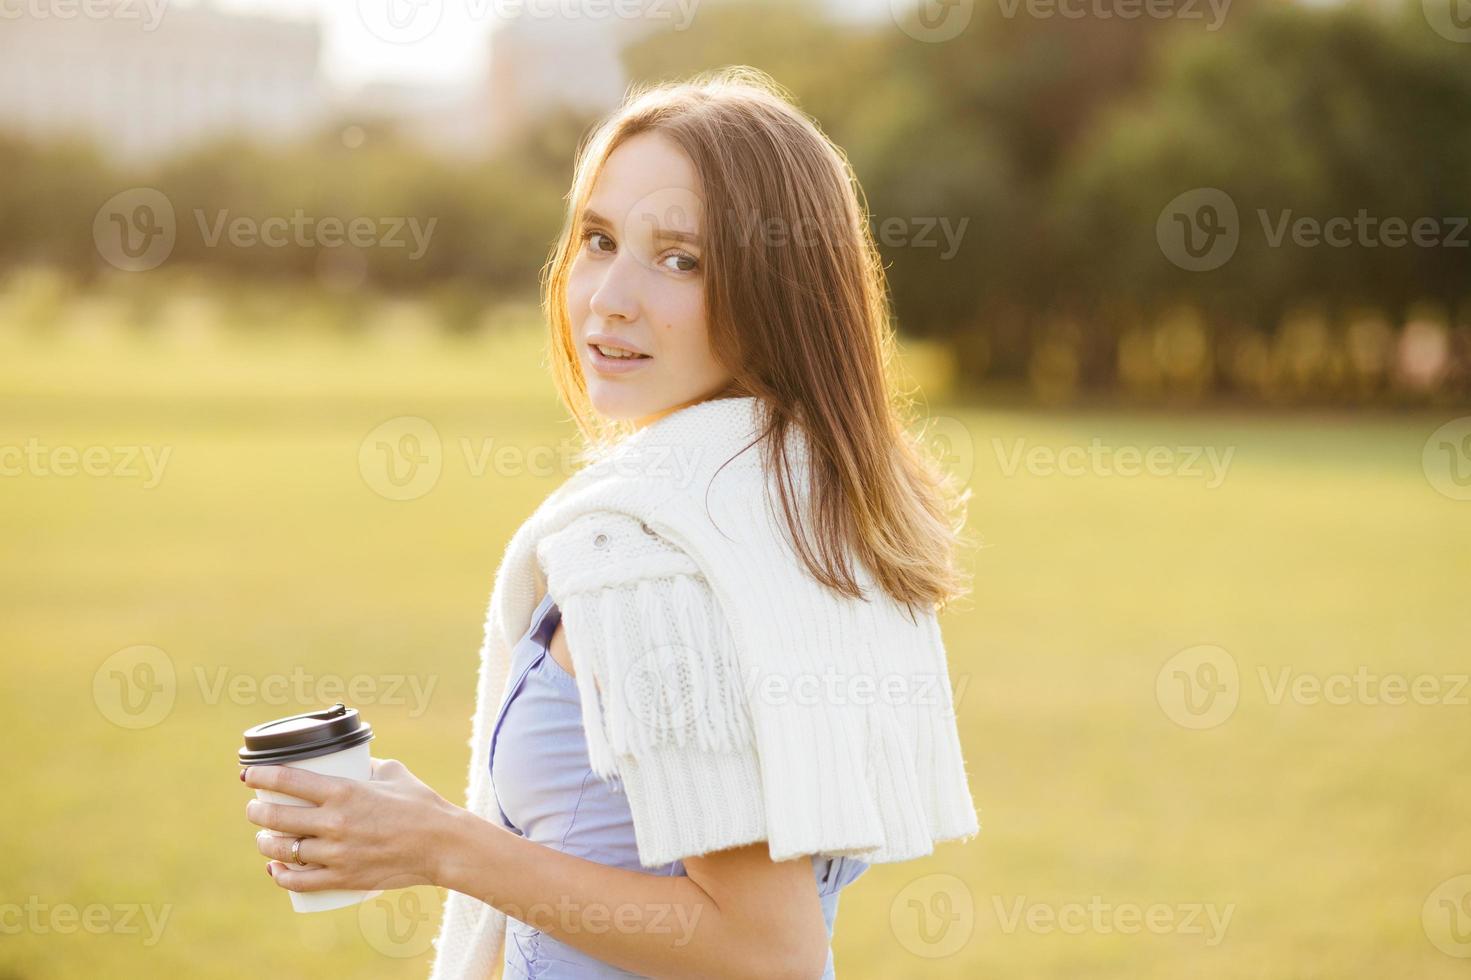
x: 619, y: 401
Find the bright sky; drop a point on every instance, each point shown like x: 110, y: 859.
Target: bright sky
x: 406, y: 40
x: 442, y: 40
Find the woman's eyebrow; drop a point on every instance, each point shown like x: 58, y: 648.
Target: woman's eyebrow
x: 591, y: 217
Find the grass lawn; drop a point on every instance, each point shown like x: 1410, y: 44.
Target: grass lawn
x: 1295, y: 838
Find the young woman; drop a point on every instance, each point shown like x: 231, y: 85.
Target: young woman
x: 712, y: 689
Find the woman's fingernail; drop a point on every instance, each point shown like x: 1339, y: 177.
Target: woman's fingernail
x: 270, y: 870
x: 242, y: 775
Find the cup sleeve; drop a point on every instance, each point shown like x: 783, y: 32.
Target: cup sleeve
x: 664, y: 706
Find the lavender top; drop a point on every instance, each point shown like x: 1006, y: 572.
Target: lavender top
x: 548, y: 793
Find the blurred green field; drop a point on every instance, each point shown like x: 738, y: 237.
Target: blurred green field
x: 1322, y: 829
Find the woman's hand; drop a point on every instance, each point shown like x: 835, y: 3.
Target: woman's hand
x: 385, y: 832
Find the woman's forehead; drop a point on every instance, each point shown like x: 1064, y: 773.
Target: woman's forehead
x: 648, y: 182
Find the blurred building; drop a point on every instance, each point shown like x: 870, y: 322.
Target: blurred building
x: 541, y: 63
x: 144, y: 91
x: 451, y: 120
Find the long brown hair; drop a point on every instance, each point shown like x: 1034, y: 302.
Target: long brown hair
x: 800, y: 319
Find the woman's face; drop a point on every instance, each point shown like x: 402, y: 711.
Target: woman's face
x: 637, y: 286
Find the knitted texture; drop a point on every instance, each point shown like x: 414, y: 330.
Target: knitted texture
x: 731, y: 696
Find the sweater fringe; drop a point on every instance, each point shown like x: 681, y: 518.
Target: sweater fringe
x: 668, y: 671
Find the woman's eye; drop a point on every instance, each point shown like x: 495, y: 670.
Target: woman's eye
x: 691, y: 263
x: 589, y: 238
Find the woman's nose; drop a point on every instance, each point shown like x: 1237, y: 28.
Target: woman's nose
x: 617, y: 294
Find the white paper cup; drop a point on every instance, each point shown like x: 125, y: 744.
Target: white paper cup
x: 302, y: 735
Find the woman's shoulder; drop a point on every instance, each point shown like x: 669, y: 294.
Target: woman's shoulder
x: 605, y: 548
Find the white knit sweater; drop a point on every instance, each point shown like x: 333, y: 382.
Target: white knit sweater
x: 729, y: 694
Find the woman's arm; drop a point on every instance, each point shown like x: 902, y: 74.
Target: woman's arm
x: 737, y: 914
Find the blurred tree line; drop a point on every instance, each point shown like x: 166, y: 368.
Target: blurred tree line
x: 1019, y: 176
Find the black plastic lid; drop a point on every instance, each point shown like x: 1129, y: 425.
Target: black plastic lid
x: 304, y: 736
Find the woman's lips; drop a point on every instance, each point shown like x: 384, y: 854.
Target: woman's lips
x: 604, y: 364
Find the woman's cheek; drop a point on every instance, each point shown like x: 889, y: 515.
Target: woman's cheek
x: 579, y: 293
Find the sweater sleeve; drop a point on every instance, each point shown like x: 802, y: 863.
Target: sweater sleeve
x: 664, y: 707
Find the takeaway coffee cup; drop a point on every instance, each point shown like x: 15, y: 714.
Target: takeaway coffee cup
x: 334, y: 742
